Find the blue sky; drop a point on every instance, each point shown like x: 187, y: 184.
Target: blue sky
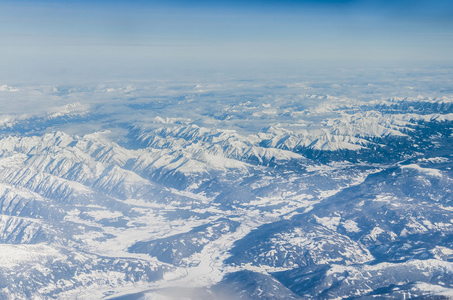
x: 56, y: 37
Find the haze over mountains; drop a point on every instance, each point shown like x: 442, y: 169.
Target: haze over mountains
x: 327, y: 185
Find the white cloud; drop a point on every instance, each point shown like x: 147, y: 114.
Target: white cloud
x: 8, y: 88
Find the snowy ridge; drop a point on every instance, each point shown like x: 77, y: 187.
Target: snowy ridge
x: 69, y: 110
x: 54, y: 115
x: 222, y: 148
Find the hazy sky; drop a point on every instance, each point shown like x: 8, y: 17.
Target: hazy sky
x: 57, y: 38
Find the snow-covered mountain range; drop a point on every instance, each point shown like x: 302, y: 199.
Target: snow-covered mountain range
x: 309, y: 187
